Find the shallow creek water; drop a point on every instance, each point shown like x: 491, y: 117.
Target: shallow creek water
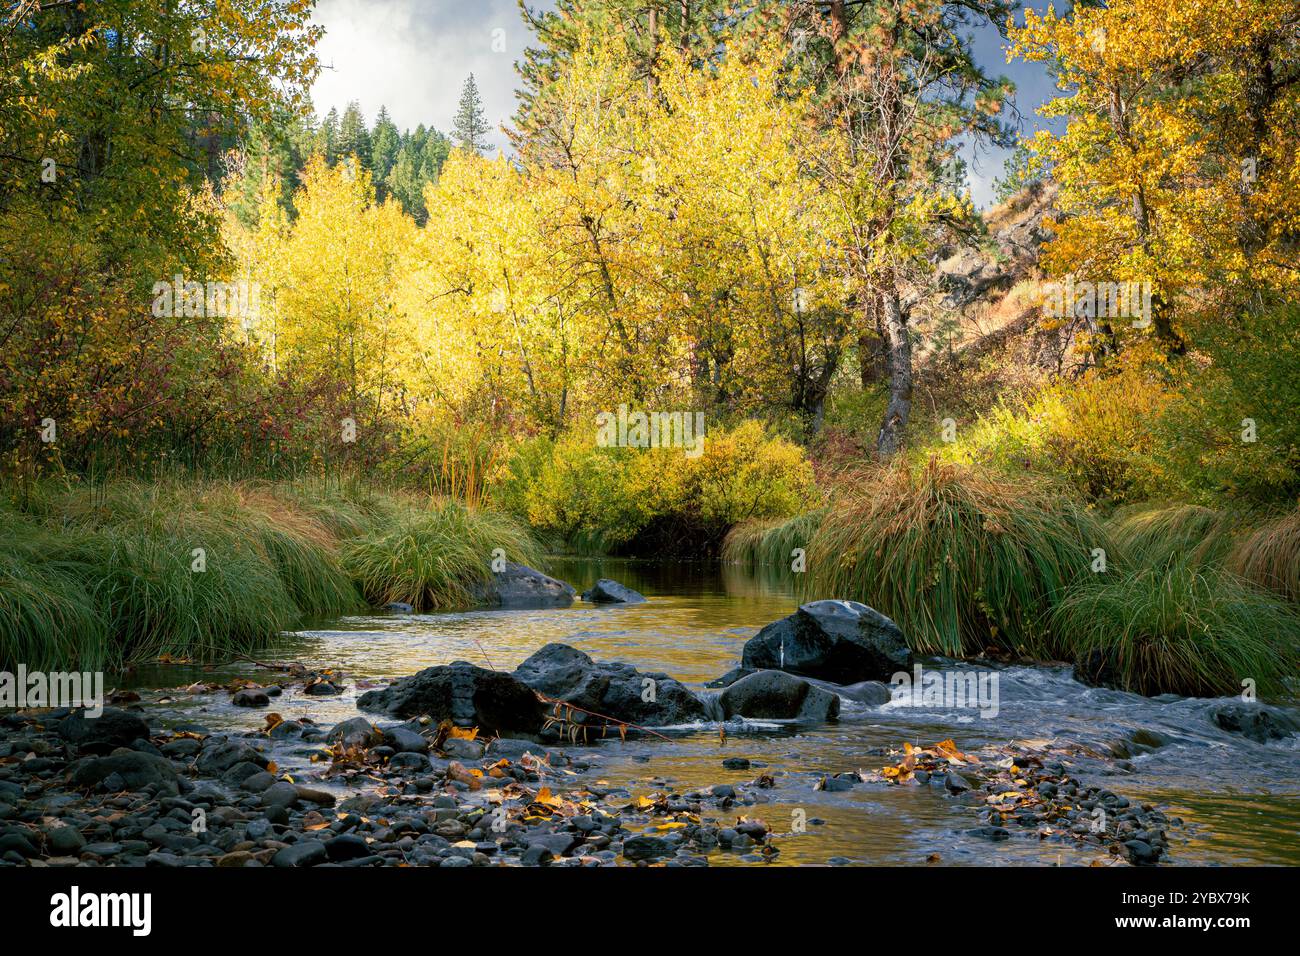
x: 1240, y: 800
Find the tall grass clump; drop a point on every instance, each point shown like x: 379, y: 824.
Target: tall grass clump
x: 963, y: 560
x: 1180, y: 628
x: 99, y: 575
x: 432, y: 557
x: 1157, y: 536
x: 47, y: 615
x: 181, y: 568
x: 770, y: 541
x: 1269, y: 556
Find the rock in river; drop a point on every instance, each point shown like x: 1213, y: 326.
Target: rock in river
x: 1256, y: 721
x: 841, y: 641
x: 519, y: 586
x: 610, y: 688
x: 778, y: 695
x: 607, y: 591
x: 466, y: 695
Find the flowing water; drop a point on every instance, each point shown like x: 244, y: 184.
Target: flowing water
x: 1239, y: 800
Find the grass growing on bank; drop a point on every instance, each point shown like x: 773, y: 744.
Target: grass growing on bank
x: 94, y: 576
x: 961, y: 559
x: 1180, y: 628
x: 770, y: 542
x: 432, y: 558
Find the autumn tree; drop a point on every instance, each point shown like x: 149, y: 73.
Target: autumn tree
x: 1178, y: 164
x: 898, y: 83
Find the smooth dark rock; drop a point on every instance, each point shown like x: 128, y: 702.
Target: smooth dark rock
x: 519, y: 586
x: 405, y: 740
x: 1256, y: 721
x: 607, y: 591
x: 219, y: 754
x: 251, y: 697
x: 646, y: 848
x: 356, y: 732
x: 467, y: 695
x: 840, y: 641
x: 306, y: 853
x: 114, y: 726
x: 778, y: 695
x: 134, y: 770
x: 612, y: 689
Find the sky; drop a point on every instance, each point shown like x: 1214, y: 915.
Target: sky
x: 413, y: 57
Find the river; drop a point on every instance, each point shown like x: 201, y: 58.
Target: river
x: 1239, y: 800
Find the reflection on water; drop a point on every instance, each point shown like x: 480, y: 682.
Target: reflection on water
x: 1240, y: 799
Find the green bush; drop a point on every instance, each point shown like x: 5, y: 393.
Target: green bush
x: 655, y: 500
x: 94, y: 576
x: 1251, y: 375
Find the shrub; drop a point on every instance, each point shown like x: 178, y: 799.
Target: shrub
x: 99, y: 575
x: 1155, y: 536
x: 1093, y: 432
x: 769, y: 542
x: 1248, y: 389
x: 960, y: 558
x: 1180, y: 629
x: 655, y: 500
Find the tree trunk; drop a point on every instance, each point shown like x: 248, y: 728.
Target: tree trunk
x: 900, y: 373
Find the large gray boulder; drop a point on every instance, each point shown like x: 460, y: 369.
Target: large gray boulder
x: 608, y: 591
x: 610, y: 688
x: 778, y: 695
x: 466, y: 695
x: 519, y: 586
x: 840, y: 641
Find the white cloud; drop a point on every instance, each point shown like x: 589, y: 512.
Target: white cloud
x: 413, y: 56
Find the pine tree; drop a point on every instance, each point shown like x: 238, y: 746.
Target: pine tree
x: 354, y: 138
x: 469, y: 127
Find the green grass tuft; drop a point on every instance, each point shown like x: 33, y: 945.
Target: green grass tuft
x: 962, y: 560
x: 1181, y: 628
x: 431, y: 558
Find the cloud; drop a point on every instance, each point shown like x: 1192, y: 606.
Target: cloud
x: 413, y: 56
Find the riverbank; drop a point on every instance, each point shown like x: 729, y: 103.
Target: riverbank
x: 98, y: 576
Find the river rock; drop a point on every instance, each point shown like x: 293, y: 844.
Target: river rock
x: 519, y: 586
x: 610, y: 688
x: 356, y: 732
x: 1256, y: 721
x: 841, y: 641
x: 134, y: 769
x: 778, y: 695
x: 219, y: 754
x: 306, y: 853
x: 251, y: 697
x: 467, y: 695
x: 608, y: 591
x: 112, y: 728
